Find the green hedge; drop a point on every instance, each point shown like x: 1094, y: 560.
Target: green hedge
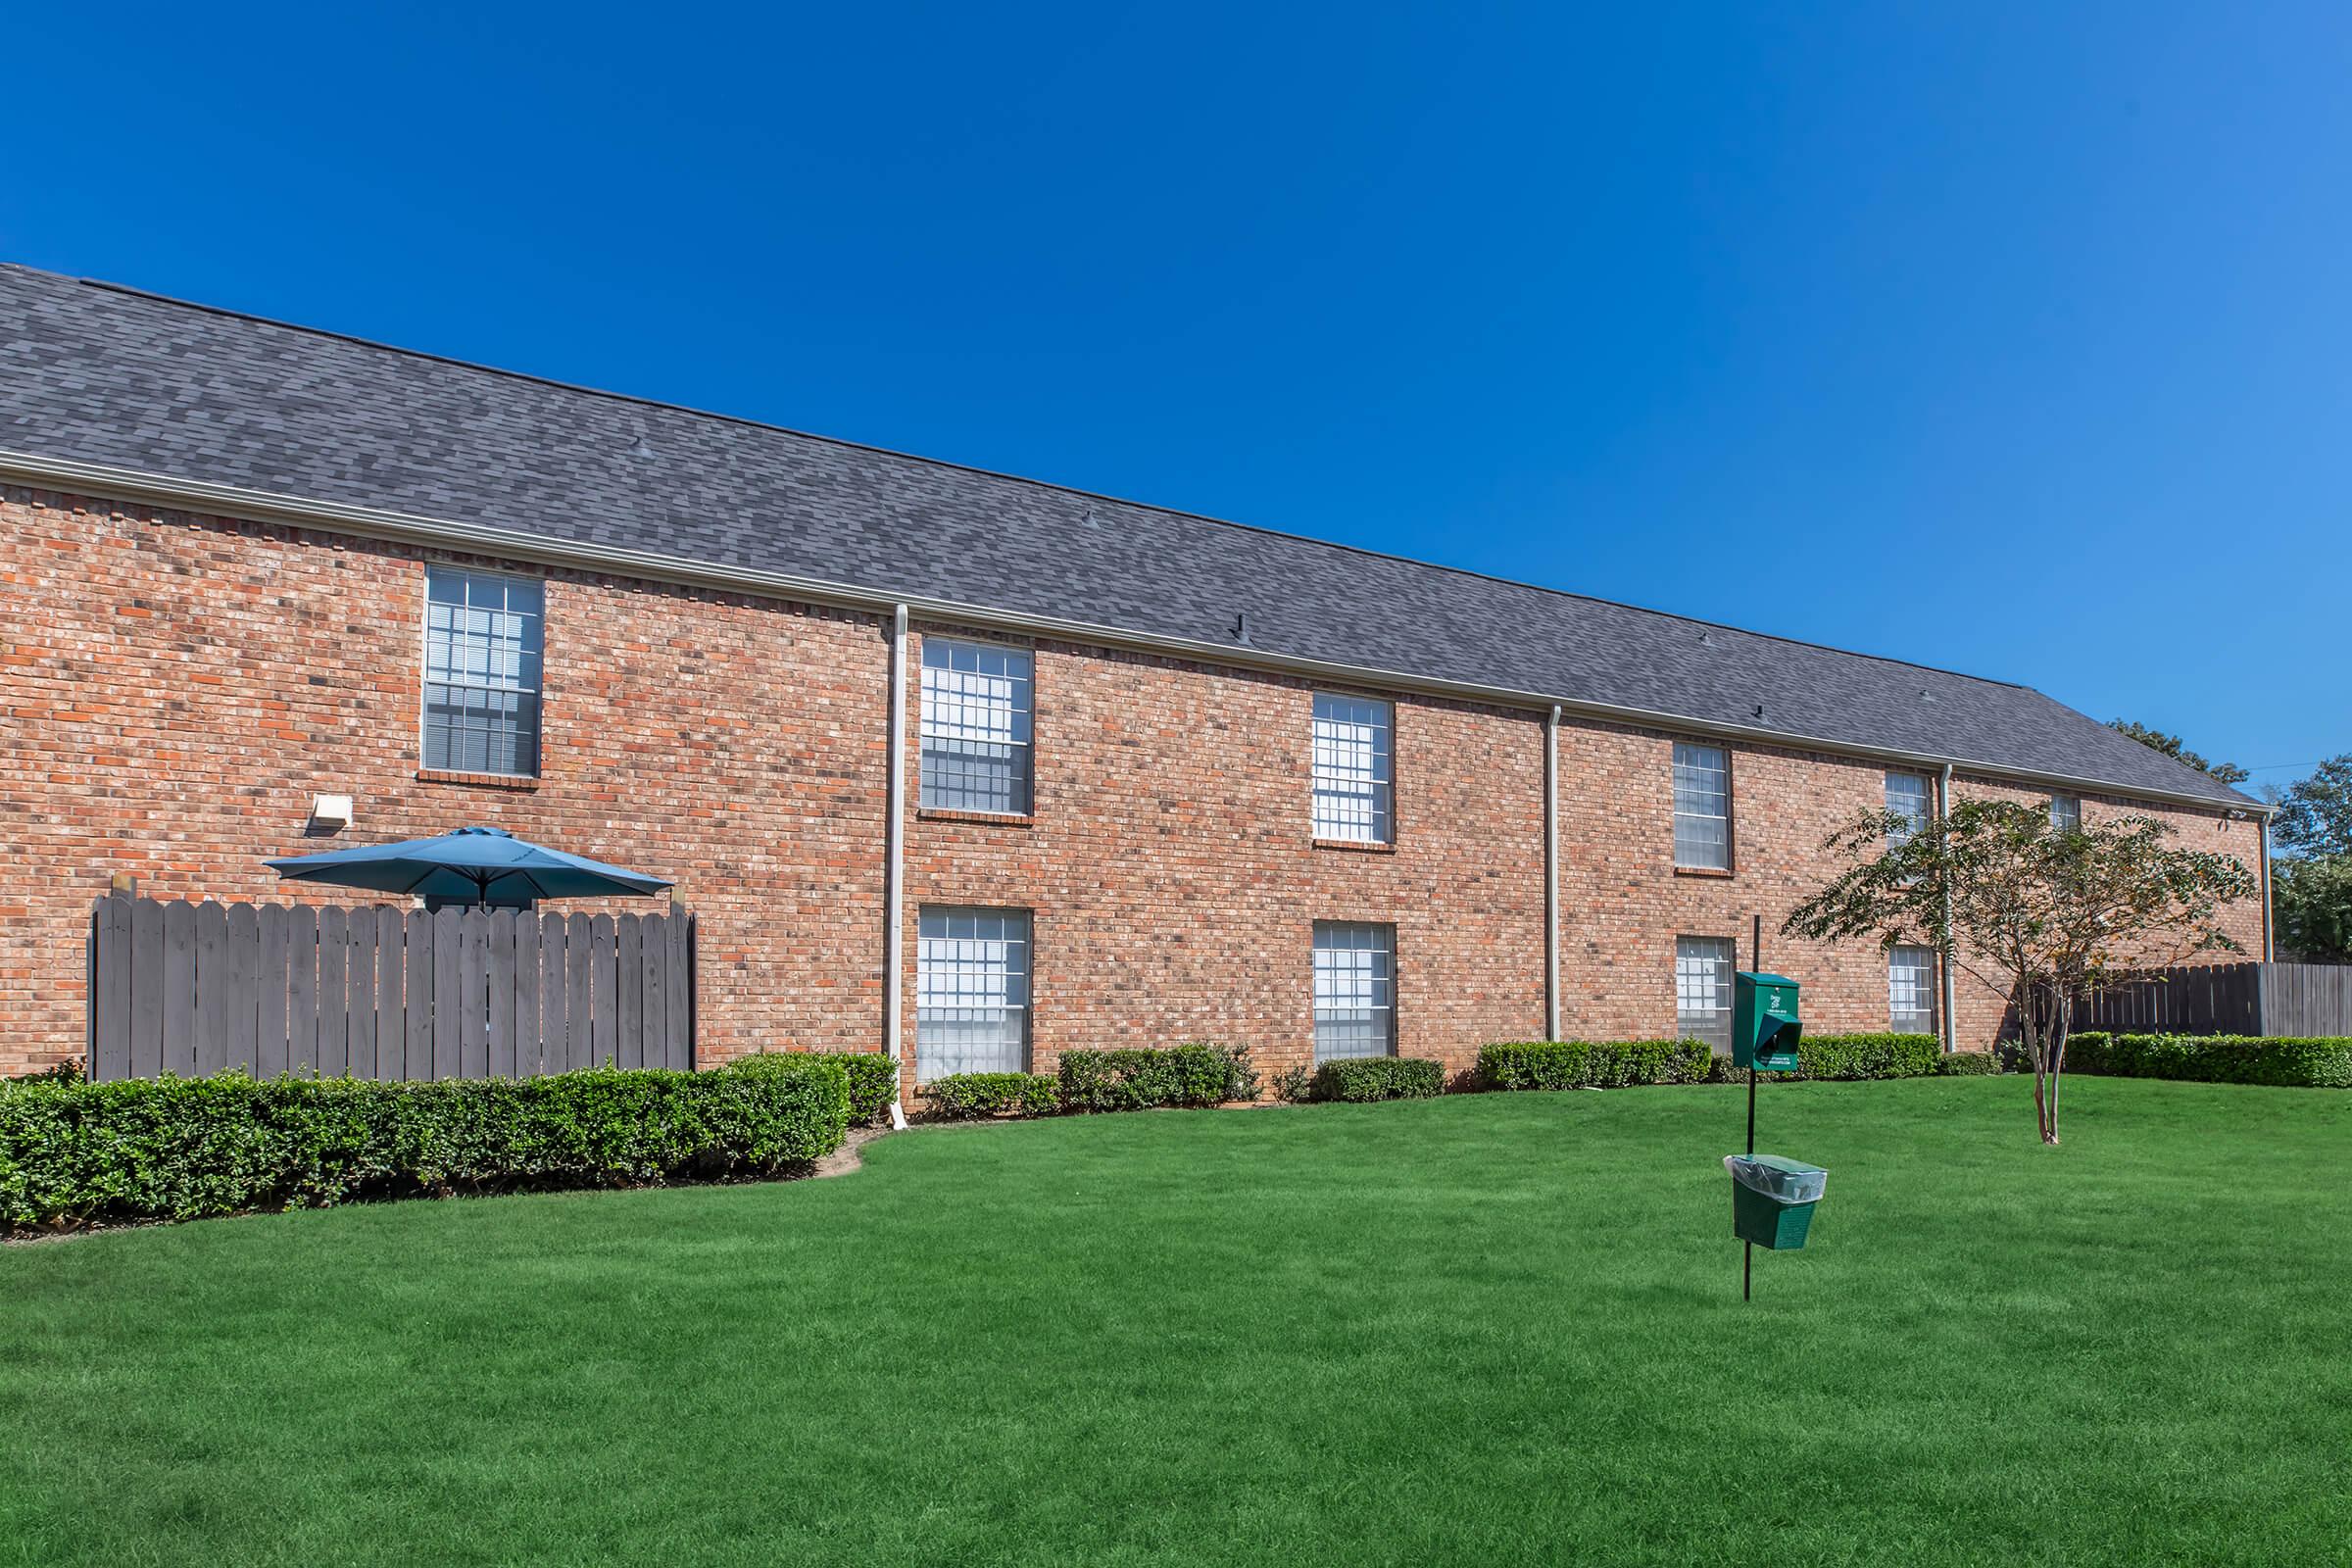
x: 967, y: 1095
x: 1591, y: 1063
x: 1968, y: 1064
x: 873, y: 1077
x: 2214, y: 1059
x: 1871, y: 1055
x: 1141, y: 1080
x: 1364, y: 1078
x: 184, y: 1147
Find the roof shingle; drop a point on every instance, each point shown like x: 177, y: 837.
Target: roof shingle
x: 100, y: 375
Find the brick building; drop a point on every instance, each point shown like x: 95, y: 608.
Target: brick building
x: 1161, y: 778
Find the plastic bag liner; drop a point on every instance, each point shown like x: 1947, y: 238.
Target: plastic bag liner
x: 1777, y: 1177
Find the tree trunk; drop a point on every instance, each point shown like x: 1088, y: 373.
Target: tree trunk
x: 2062, y: 1024
x: 2029, y: 1017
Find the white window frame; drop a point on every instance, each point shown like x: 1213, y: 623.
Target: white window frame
x: 2066, y: 812
x: 534, y: 689
x: 1721, y: 957
x: 956, y: 710
x: 1702, y: 774
x: 970, y: 960
x: 1352, y: 742
x: 1911, y: 976
x: 1349, y: 993
x: 1925, y: 814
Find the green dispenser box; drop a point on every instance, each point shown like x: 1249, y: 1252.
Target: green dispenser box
x: 1765, y: 1026
x: 1773, y: 1198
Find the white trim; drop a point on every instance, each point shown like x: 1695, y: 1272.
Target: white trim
x: 893, y: 934
x: 1551, y: 873
x: 100, y: 481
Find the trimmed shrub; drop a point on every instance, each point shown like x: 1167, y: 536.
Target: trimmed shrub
x: 2214, y: 1059
x: 1853, y: 1057
x: 1872, y: 1055
x: 1198, y: 1074
x: 1968, y: 1064
x: 874, y: 1078
x: 1364, y: 1078
x: 969, y: 1096
x: 1579, y: 1064
x: 185, y: 1148
x: 1294, y: 1086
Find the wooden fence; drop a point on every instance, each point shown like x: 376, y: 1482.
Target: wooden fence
x: 384, y: 993
x: 2279, y: 999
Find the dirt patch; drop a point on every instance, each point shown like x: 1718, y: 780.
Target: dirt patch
x: 847, y: 1157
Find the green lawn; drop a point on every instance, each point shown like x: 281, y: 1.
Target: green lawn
x: 1491, y: 1329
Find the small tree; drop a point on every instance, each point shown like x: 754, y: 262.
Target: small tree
x: 2041, y: 914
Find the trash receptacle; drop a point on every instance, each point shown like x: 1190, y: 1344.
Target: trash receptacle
x: 1773, y: 1198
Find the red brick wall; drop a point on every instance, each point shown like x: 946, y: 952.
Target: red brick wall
x: 173, y: 689
x: 178, y: 688
x: 1174, y: 881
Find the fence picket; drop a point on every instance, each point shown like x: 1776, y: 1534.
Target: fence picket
x: 448, y: 993
x: 334, y: 991
x: 554, y: 1052
x: 656, y: 989
x: 417, y: 1000
x: 500, y: 959
x: 579, y: 959
x: 212, y: 987
x: 678, y: 956
x: 270, y: 979
x: 391, y: 973
x: 245, y: 998
x: 146, y: 989
x: 110, y: 988
x: 302, y: 989
x: 358, y: 1008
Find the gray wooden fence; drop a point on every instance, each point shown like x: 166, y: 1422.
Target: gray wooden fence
x: 2278, y: 1000
x: 376, y: 992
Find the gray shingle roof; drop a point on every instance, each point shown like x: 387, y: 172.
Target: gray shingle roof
x: 100, y: 375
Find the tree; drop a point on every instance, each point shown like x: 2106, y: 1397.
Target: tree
x: 2311, y: 908
x: 2171, y: 745
x: 2043, y: 914
x: 2315, y: 814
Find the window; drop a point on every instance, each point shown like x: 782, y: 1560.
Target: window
x: 2066, y: 812
x: 1908, y: 796
x: 1703, y: 807
x: 482, y: 655
x: 1352, y: 779
x: 971, y: 992
x: 1356, y: 990
x: 1702, y: 990
x: 976, y: 737
x: 1911, y: 991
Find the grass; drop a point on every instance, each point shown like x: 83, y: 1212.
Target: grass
x: 1493, y: 1329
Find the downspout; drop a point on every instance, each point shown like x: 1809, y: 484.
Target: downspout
x: 1551, y: 874
x: 2264, y: 830
x: 1952, y: 1027
x: 894, y: 858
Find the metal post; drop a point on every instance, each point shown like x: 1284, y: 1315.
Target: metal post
x: 1755, y: 964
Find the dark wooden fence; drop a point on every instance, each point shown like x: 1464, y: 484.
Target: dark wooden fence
x: 2279, y: 999
x: 384, y: 993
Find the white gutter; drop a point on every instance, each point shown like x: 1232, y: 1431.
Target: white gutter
x: 127, y: 484
x: 2264, y: 828
x: 893, y: 867
x: 1551, y: 873
x: 1951, y: 1025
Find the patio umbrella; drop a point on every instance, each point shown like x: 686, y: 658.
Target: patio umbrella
x: 481, y: 866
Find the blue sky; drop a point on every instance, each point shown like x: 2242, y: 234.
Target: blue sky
x: 1981, y: 335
